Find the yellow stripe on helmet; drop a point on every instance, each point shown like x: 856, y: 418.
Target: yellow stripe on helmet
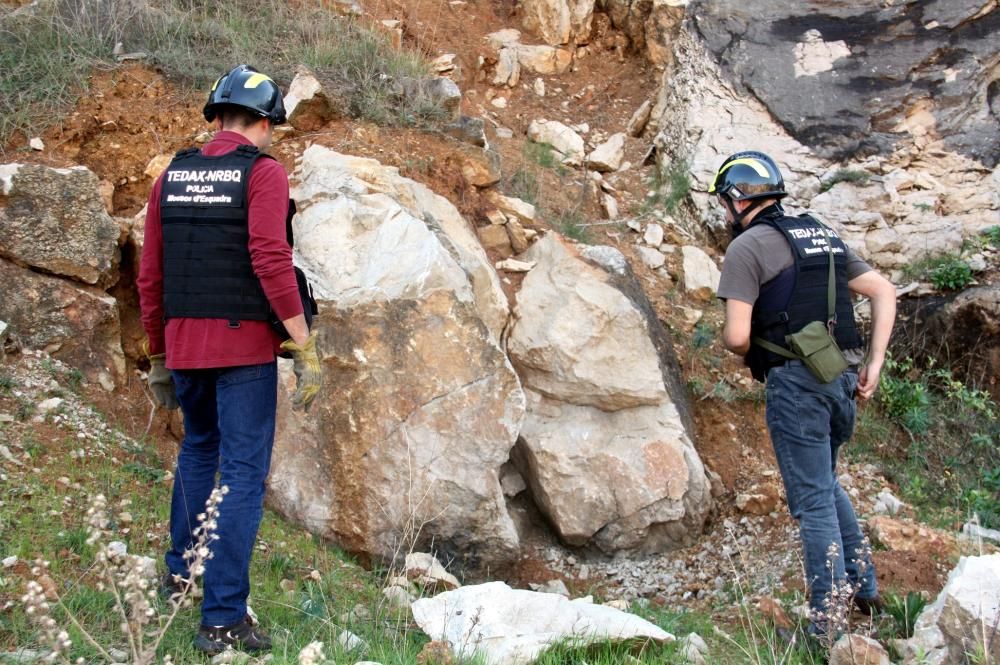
x: 755, y: 164
x: 256, y: 80
x: 216, y: 84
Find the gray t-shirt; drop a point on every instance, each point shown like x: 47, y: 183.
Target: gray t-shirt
x: 757, y: 256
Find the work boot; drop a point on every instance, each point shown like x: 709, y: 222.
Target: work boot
x: 870, y: 606
x: 241, y: 636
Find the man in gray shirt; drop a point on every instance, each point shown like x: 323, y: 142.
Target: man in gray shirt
x: 774, y: 281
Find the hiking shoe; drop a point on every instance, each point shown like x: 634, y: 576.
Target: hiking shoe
x: 870, y: 606
x: 241, y: 636
x: 172, y: 586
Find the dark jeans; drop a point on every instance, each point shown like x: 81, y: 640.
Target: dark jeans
x: 808, y: 422
x: 229, y: 418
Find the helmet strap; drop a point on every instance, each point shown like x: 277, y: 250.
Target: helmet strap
x: 737, y: 227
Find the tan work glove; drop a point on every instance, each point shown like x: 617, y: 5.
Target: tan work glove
x: 161, y: 382
x: 308, y: 373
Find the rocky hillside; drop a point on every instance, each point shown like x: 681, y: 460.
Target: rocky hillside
x: 517, y: 303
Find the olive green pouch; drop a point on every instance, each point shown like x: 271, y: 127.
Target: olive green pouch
x: 818, y: 350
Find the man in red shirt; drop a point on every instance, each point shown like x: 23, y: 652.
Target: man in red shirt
x: 216, y: 267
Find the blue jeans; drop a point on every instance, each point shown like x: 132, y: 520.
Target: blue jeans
x: 229, y: 416
x: 808, y: 422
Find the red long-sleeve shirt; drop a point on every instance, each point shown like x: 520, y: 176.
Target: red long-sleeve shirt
x: 202, y: 343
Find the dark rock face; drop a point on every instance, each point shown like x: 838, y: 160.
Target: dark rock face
x: 940, y: 53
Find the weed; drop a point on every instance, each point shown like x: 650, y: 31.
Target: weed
x: 856, y: 176
x: 145, y: 472
x: 904, y: 611
x: 7, y: 383
x: 542, y: 154
x: 704, y: 335
x: 992, y: 236
x: 670, y: 187
x: 522, y: 184
x: 945, y: 271
x: 951, y: 274
x: 923, y: 207
x: 907, y: 401
x: 570, y: 224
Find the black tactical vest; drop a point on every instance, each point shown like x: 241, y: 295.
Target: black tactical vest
x: 207, y: 271
x: 798, y: 295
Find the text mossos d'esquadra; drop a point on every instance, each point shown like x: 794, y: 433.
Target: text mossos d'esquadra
x: 200, y: 188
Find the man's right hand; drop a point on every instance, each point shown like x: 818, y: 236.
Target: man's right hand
x: 161, y: 382
x: 868, y: 379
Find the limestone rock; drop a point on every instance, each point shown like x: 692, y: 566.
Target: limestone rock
x: 445, y: 93
x: 637, y: 123
x: 503, y: 38
x: 307, y: 104
x: 420, y: 406
x: 495, y: 238
x: 479, y: 166
x: 75, y: 323
x: 610, y: 205
x: 605, y: 446
x: 508, y: 68
x: 426, y: 571
x: 853, y: 649
x: 513, y: 626
x: 609, y: 155
x: 544, y: 60
x: 950, y: 628
x: 906, y: 536
x: 651, y: 258
x: 701, y: 275
x: 653, y: 235
x: 512, y: 206
x: 55, y: 220
x: 518, y: 236
x: 575, y: 333
x: 467, y: 129
x: 156, y: 166
x: 563, y: 140
x: 548, y: 19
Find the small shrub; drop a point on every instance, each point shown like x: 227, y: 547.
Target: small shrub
x: 905, y: 400
x: 951, y: 274
x: 7, y: 383
x: 846, y: 175
x: 984, y: 500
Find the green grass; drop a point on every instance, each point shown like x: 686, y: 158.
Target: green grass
x: 48, y: 53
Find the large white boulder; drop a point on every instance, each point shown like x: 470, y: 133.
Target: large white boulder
x: 513, y: 627
x: 605, y: 445
x: 420, y: 406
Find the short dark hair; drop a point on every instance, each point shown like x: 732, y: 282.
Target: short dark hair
x: 232, y: 115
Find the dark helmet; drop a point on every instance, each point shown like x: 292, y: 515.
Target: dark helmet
x: 245, y: 87
x: 748, y: 175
